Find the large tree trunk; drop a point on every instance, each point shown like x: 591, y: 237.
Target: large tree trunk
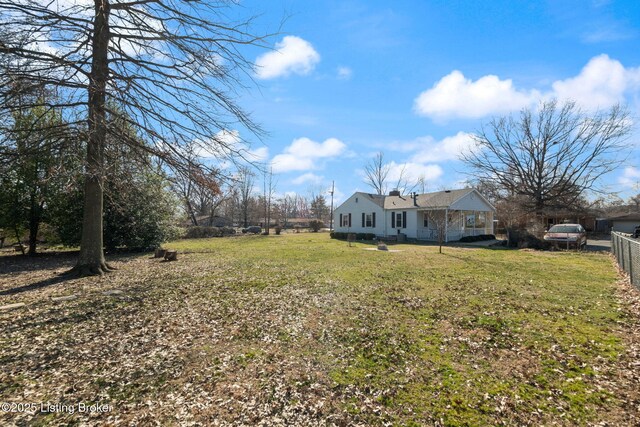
x: 91, y: 260
x: 245, y: 214
x: 34, y: 223
x: 192, y: 215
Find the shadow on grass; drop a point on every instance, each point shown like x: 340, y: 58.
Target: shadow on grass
x: 46, y: 260
x: 37, y: 285
x: 64, y: 260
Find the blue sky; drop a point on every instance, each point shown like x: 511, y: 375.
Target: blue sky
x: 413, y: 79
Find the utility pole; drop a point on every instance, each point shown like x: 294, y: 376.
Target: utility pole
x: 331, y: 211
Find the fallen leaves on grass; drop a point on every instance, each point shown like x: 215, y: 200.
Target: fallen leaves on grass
x: 222, y: 339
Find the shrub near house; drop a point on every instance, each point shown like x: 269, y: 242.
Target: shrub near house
x: 315, y: 225
x: 197, y: 232
x: 359, y: 236
x: 480, y: 238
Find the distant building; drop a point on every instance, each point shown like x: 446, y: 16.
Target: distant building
x: 586, y: 219
x: 625, y: 223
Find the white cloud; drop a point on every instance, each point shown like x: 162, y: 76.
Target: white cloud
x: 630, y: 178
x: 305, y: 147
x: 456, y: 96
x: 303, y: 154
x: 258, y: 155
x: 449, y: 148
x: 291, y: 55
x: 412, y: 172
x: 426, y: 149
x: 228, y: 137
x: 288, y: 162
x: 601, y: 83
x: 344, y: 73
x: 308, y: 177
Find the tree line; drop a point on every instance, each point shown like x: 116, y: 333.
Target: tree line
x: 41, y: 186
x: 240, y: 202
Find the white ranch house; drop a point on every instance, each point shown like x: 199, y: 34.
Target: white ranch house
x: 417, y: 216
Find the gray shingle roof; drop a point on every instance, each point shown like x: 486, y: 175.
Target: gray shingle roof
x: 633, y: 216
x: 439, y: 199
x: 375, y: 198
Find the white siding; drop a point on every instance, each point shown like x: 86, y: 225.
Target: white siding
x: 410, y: 229
x: 356, y: 205
x: 471, y: 202
x: 624, y: 226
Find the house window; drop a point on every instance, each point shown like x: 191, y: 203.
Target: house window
x: 398, y: 219
x: 475, y: 219
x: 368, y: 221
x: 425, y: 220
x: 470, y: 221
x: 345, y: 220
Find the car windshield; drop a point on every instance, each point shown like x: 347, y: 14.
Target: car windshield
x: 564, y: 229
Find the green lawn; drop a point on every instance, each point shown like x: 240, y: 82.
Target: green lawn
x: 303, y: 330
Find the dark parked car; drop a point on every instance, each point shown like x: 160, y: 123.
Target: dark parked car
x: 254, y: 229
x: 567, y: 235
x: 636, y: 232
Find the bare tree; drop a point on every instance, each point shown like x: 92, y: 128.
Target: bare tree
x: 551, y: 157
x: 216, y: 200
x: 378, y: 174
x: 302, y: 209
x: 635, y: 202
x: 405, y: 184
x: 421, y: 183
x: 437, y: 220
x: 173, y: 67
x: 376, y: 171
x: 269, y: 186
x: 245, y: 179
x: 192, y: 185
x: 286, y: 208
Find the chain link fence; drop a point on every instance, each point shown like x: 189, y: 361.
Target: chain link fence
x: 627, y: 252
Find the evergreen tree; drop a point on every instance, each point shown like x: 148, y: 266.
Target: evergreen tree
x: 39, y: 149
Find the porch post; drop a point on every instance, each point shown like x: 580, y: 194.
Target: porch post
x: 446, y: 225
x: 490, y: 215
x: 474, y: 222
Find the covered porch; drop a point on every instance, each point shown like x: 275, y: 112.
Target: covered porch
x: 452, y: 225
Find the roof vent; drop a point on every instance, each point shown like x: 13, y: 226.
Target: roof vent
x: 394, y: 192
